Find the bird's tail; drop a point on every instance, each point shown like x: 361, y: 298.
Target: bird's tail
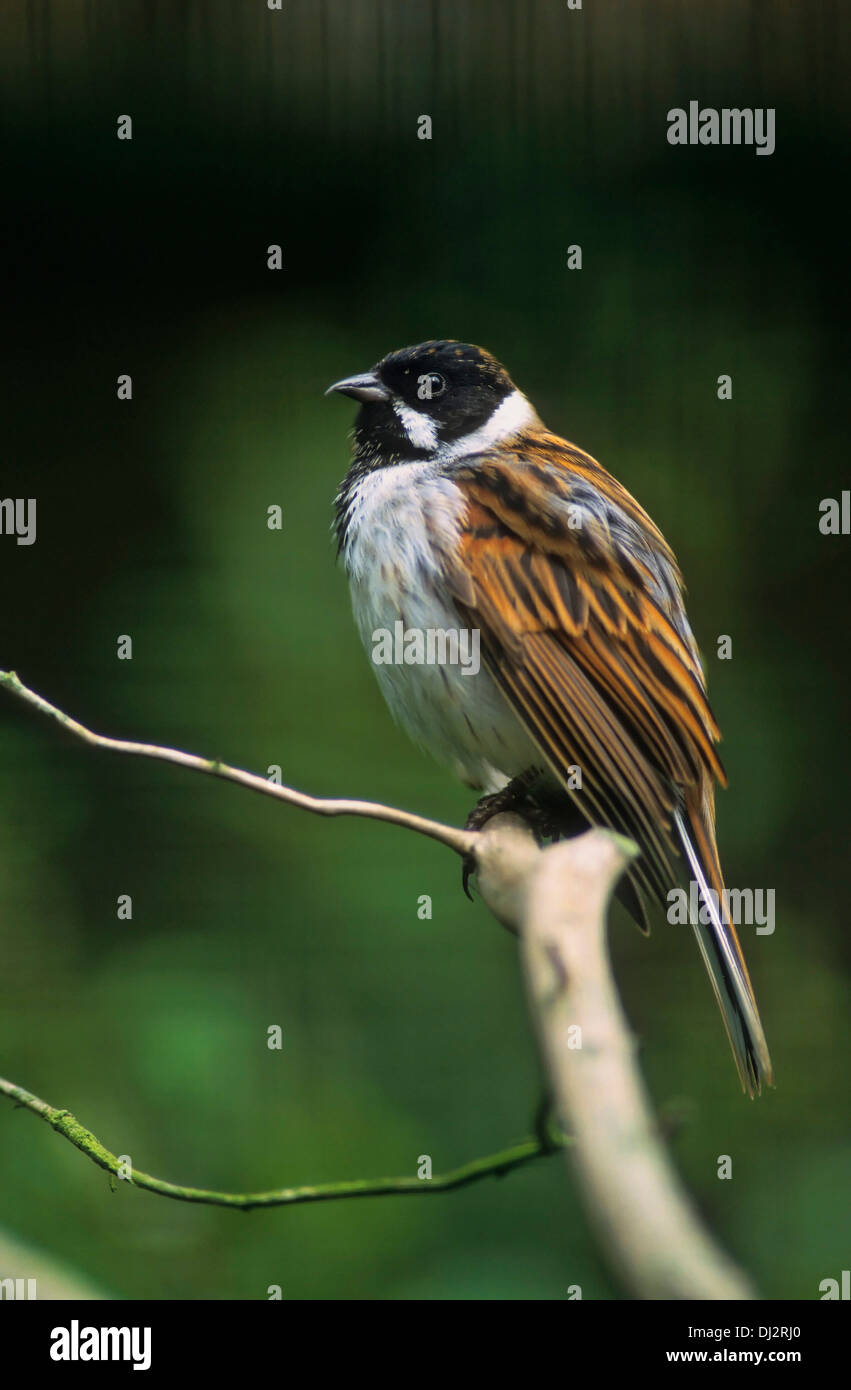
x: 722, y: 954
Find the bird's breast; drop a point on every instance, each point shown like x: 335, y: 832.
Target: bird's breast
x: 401, y: 525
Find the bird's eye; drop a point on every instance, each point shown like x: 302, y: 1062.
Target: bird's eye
x: 429, y: 385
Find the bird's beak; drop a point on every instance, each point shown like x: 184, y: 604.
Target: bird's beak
x: 365, y: 387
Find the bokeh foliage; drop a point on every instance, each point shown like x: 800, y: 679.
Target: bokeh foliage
x: 401, y: 1036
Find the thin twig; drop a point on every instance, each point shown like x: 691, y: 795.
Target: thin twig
x: 461, y: 841
x: 491, y: 1166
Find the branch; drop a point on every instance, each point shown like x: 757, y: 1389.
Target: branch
x: 555, y: 899
x: 642, y: 1213
x: 462, y: 841
x: 492, y: 1166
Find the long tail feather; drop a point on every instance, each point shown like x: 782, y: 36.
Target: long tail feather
x: 725, y: 963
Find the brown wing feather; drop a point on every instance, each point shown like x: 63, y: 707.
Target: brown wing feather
x: 578, y: 600
x: 586, y: 637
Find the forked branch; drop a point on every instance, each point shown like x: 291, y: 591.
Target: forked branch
x: 555, y: 899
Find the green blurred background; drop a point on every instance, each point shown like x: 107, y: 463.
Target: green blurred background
x: 401, y: 1036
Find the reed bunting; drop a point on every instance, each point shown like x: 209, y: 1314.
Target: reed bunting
x: 461, y: 511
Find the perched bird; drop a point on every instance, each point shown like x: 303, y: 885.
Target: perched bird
x: 462, y: 512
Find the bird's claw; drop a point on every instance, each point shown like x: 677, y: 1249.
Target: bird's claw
x: 468, y: 868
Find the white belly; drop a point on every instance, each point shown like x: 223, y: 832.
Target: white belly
x: 401, y: 516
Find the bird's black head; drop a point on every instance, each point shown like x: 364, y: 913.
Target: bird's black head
x: 430, y: 400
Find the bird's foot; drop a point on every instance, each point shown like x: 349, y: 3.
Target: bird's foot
x: 514, y: 796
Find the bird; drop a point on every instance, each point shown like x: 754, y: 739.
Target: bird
x: 462, y: 513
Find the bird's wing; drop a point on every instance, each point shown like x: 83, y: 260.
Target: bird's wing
x: 577, y: 599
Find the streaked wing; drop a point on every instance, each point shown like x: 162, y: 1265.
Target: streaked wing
x: 577, y: 597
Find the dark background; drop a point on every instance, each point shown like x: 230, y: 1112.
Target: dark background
x: 401, y: 1036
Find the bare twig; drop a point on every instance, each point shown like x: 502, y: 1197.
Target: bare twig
x: 462, y: 841
x: 556, y: 900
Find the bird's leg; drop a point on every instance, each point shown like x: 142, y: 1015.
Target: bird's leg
x: 514, y: 796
